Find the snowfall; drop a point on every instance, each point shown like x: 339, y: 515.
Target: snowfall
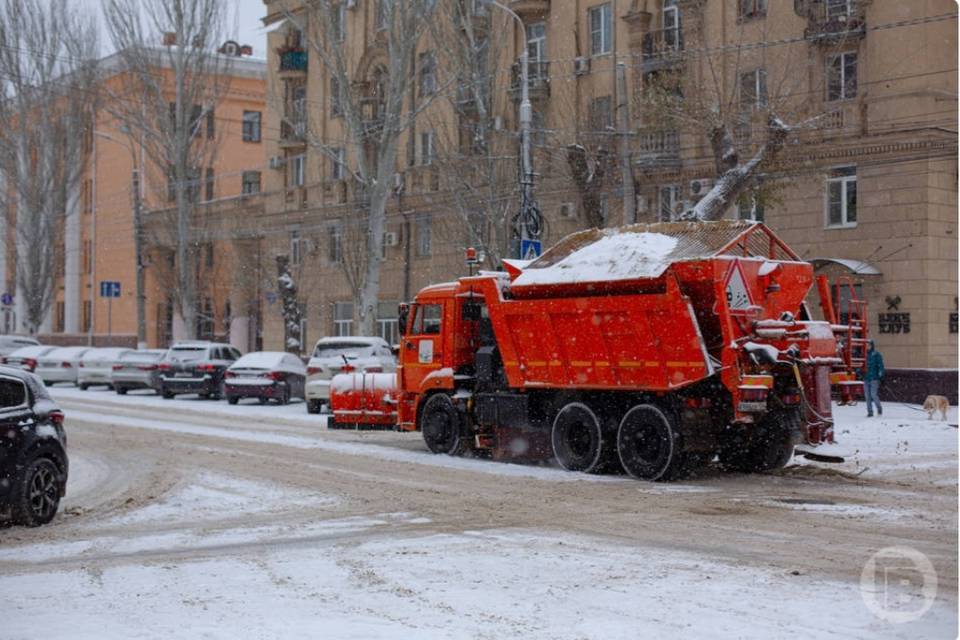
x: 490, y: 583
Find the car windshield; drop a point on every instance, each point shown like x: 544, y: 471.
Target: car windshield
x: 187, y: 354
x: 348, y: 349
x: 140, y: 356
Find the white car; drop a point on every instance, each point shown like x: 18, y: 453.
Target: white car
x: 96, y: 366
x: 9, y: 344
x: 343, y: 355
x: 60, y: 365
x: 26, y: 357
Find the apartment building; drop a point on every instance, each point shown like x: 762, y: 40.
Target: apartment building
x: 95, y: 296
x: 624, y: 93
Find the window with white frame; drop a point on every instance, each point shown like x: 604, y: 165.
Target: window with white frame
x: 753, y: 90
x: 388, y: 326
x: 338, y: 163
x: 842, y: 197
x: 342, y: 319
x: 296, y: 248
x: 749, y: 9
x: 750, y: 208
x: 428, y: 73
x: 334, y: 244
x: 601, y: 29
x: 426, y: 148
x: 671, y: 200
x: 536, y: 48
x: 838, y: 8
x: 424, y: 234
x: 842, y: 76
x: 297, y: 171
x: 251, y: 126
x: 670, y: 21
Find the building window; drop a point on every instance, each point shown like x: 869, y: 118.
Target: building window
x: 670, y: 202
x: 86, y: 316
x: 842, y: 197
x: 296, y: 170
x: 296, y: 248
x: 251, y: 182
x: 748, y: 208
x: 601, y: 114
x: 334, y: 244
x: 753, y: 90
x: 338, y: 21
x: 303, y: 327
x: 838, y: 9
x: 205, y: 320
x: 537, y: 49
x: 343, y: 319
x: 428, y: 74
x: 384, y: 10
x: 338, y: 163
x: 748, y: 9
x: 86, y: 196
x: 601, y: 29
x: 211, y: 119
x: 336, y: 98
x: 88, y: 256
x: 424, y: 232
x: 61, y: 320
x: 209, y: 185
x: 842, y: 76
x: 251, y: 126
x: 387, y: 324
x: 426, y: 148
x: 671, y: 24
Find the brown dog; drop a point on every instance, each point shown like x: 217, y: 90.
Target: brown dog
x: 936, y: 403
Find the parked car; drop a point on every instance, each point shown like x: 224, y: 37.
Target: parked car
x: 137, y: 370
x: 33, y: 449
x: 9, y: 344
x: 343, y: 355
x: 60, y: 365
x: 26, y: 357
x: 196, y: 367
x: 266, y: 375
x: 96, y: 366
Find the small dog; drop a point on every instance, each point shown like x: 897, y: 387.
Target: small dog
x: 936, y: 403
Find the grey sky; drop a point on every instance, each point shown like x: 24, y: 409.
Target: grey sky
x: 244, y: 27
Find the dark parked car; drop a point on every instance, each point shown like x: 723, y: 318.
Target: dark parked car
x: 33, y: 449
x: 266, y: 375
x: 196, y: 367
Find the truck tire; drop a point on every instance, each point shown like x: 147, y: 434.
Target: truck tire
x: 578, y: 439
x: 771, y: 449
x: 442, y: 426
x: 648, y: 445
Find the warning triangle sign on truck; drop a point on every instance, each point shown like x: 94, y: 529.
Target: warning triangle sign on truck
x: 738, y: 295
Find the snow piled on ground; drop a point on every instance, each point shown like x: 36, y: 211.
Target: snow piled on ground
x: 490, y: 584
x: 615, y: 256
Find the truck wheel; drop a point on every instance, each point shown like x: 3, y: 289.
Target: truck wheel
x: 577, y: 439
x: 648, y: 446
x: 442, y: 426
x: 772, y: 449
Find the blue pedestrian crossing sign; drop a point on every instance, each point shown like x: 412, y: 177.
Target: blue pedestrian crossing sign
x: 109, y: 289
x: 529, y: 249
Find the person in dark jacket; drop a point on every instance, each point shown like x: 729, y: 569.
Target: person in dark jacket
x: 872, y: 375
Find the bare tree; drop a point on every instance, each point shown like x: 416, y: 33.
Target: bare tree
x: 169, y: 106
x: 48, y: 82
x: 371, y: 94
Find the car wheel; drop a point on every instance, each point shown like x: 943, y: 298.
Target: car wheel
x: 233, y: 399
x: 313, y: 406
x: 121, y: 391
x: 285, y: 397
x: 83, y: 387
x: 37, y: 497
x: 167, y: 395
x: 262, y: 399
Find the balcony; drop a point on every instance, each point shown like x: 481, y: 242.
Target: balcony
x: 293, y: 133
x: 658, y: 148
x: 831, y: 22
x: 538, y: 80
x: 529, y: 10
x: 293, y: 62
x: 662, y: 48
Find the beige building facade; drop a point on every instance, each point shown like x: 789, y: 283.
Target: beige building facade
x: 865, y: 186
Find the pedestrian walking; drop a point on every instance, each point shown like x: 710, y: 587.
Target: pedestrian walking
x: 872, y: 375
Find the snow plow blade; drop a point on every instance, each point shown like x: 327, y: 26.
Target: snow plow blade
x: 819, y: 457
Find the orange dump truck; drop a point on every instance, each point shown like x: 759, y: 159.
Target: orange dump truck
x: 651, y: 347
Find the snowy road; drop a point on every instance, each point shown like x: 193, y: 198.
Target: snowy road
x: 192, y: 518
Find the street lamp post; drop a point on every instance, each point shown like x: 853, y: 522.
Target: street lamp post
x: 528, y: 220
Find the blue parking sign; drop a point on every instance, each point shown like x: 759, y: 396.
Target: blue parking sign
x: 109, y: 289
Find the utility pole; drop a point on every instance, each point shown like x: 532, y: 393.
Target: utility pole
x: 138, y: 251
x: 623, y: 106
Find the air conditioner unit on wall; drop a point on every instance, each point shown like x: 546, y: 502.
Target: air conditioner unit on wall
x: 276, y: 162
x: 581, y: 65
x: 391, y: 239
x: 699, y: 188
x: 567, y: 210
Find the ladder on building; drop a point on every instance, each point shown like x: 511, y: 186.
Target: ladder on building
x: 845, y: 309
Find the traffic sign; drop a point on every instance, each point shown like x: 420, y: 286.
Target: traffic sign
x: 529, y: 249
x: 109, y: 289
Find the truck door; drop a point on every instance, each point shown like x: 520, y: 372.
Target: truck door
x: 422, y: 350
